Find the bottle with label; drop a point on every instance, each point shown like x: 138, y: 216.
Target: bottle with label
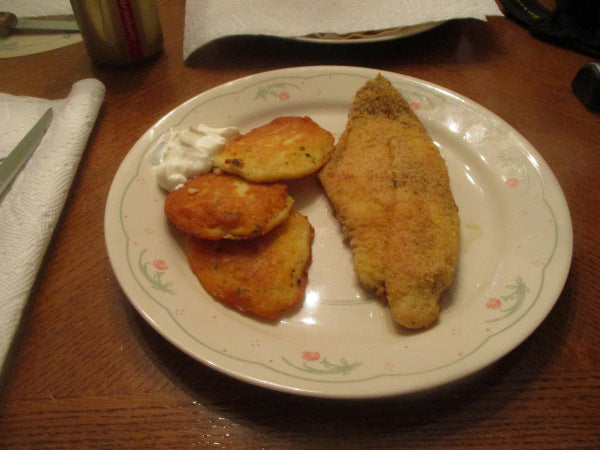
x: 119, y: 31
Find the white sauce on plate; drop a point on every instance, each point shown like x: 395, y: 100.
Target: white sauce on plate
x: 184, y: 154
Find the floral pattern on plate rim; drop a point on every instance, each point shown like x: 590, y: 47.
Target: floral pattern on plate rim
x: 310, y: 362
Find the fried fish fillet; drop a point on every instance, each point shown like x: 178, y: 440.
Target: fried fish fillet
x: 226, y: 206
x: 390, y: 190
x: 264, y: 276
x: 284, y: 149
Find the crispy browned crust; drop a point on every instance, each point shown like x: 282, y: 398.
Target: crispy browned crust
x: 283, y: 149
x: 263, y: 277
x: 390, y: 189
x: 221, y: 206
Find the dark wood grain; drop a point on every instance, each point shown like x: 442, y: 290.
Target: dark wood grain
x: 86, y: 370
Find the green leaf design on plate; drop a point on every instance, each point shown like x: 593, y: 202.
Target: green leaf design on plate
x: 154, y: 278
x: 514, y: 299
x: 327, y: 368
x: 515, y: 167
x: 273, y: 90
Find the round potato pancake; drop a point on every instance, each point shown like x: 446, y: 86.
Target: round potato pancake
x: 223, y: 206
x: 264, y: 276
x: 283, y: 149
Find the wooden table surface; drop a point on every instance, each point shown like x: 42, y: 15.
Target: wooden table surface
x: 86, y: 370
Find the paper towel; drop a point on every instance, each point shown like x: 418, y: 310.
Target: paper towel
x: 31, y: 205
x: 206, y: 20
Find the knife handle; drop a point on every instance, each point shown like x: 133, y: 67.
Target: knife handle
x: 7, y: 22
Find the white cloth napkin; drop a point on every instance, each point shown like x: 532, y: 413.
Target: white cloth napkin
x: 206, y: 20
x: 31, y: 205
x: 36, y: 8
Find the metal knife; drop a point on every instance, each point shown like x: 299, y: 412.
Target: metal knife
x: 12, y: 164
x: 9, y: 22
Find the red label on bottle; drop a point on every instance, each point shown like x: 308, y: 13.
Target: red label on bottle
x: 130, y: 29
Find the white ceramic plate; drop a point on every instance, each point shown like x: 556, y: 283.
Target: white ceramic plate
x: 516, y: 250
x: 29, y: 44
x: 360, y: 37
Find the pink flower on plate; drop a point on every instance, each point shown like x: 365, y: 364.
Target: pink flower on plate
x: 159, y: 264
x: 493, y: 303
x: 284, y: 95
x: 311, y: 355
x: 415, y: 105
x: 512, y: 182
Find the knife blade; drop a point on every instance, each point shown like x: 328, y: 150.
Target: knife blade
x: 12, y: 164
x: 10, y: 22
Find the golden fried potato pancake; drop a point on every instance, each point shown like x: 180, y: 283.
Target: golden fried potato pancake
x: 264, y: 276
x: 226, y: 206
x: 390, y: 189
x: 284, y: 149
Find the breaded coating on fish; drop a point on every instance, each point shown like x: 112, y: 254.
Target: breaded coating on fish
x: 264, y: 276
x: 390, y: 189
x: 286, y: 148
x: 226, y: 206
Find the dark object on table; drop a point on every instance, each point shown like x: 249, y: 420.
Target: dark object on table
x: 572, y: 23
x: 7, y: 23
x: 586, y: 86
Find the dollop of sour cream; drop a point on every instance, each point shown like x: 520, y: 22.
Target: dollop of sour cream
x: 186, y: 153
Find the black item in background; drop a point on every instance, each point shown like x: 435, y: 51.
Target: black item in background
x: 572, y: 23
x: 586, y: 86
